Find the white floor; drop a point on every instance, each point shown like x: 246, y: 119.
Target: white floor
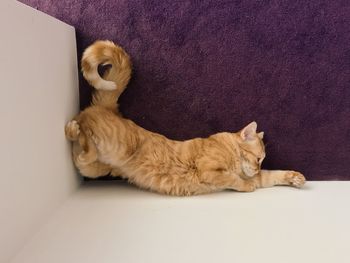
x: 113, y: 222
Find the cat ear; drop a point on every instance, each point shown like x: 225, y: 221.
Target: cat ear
x: 249, y: 132
x: 261, y: 135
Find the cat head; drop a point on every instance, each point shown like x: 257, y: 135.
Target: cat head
x: 252, y: 150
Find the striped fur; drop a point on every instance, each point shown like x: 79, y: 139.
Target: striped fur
x: 104, y: 142
x: 115, y: 79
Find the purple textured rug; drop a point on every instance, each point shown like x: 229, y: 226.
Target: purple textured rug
x: 202, y: 67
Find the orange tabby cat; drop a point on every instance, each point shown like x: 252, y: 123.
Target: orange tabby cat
x: 104, y: 142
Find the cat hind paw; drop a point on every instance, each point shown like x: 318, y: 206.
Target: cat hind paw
x: 72, y: 130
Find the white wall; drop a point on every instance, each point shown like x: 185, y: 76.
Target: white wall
x: 39, y: 94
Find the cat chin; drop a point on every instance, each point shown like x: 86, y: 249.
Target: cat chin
x: 248, y: 171
x: 249, y: 175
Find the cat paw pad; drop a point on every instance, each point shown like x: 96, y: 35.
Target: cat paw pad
x: 296, y: 179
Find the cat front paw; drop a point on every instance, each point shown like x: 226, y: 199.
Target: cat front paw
x: 72, y: 130
x: 295, y: 179
x: 248, y: 186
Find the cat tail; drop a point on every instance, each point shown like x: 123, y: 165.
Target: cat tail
x: 115, y: 78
